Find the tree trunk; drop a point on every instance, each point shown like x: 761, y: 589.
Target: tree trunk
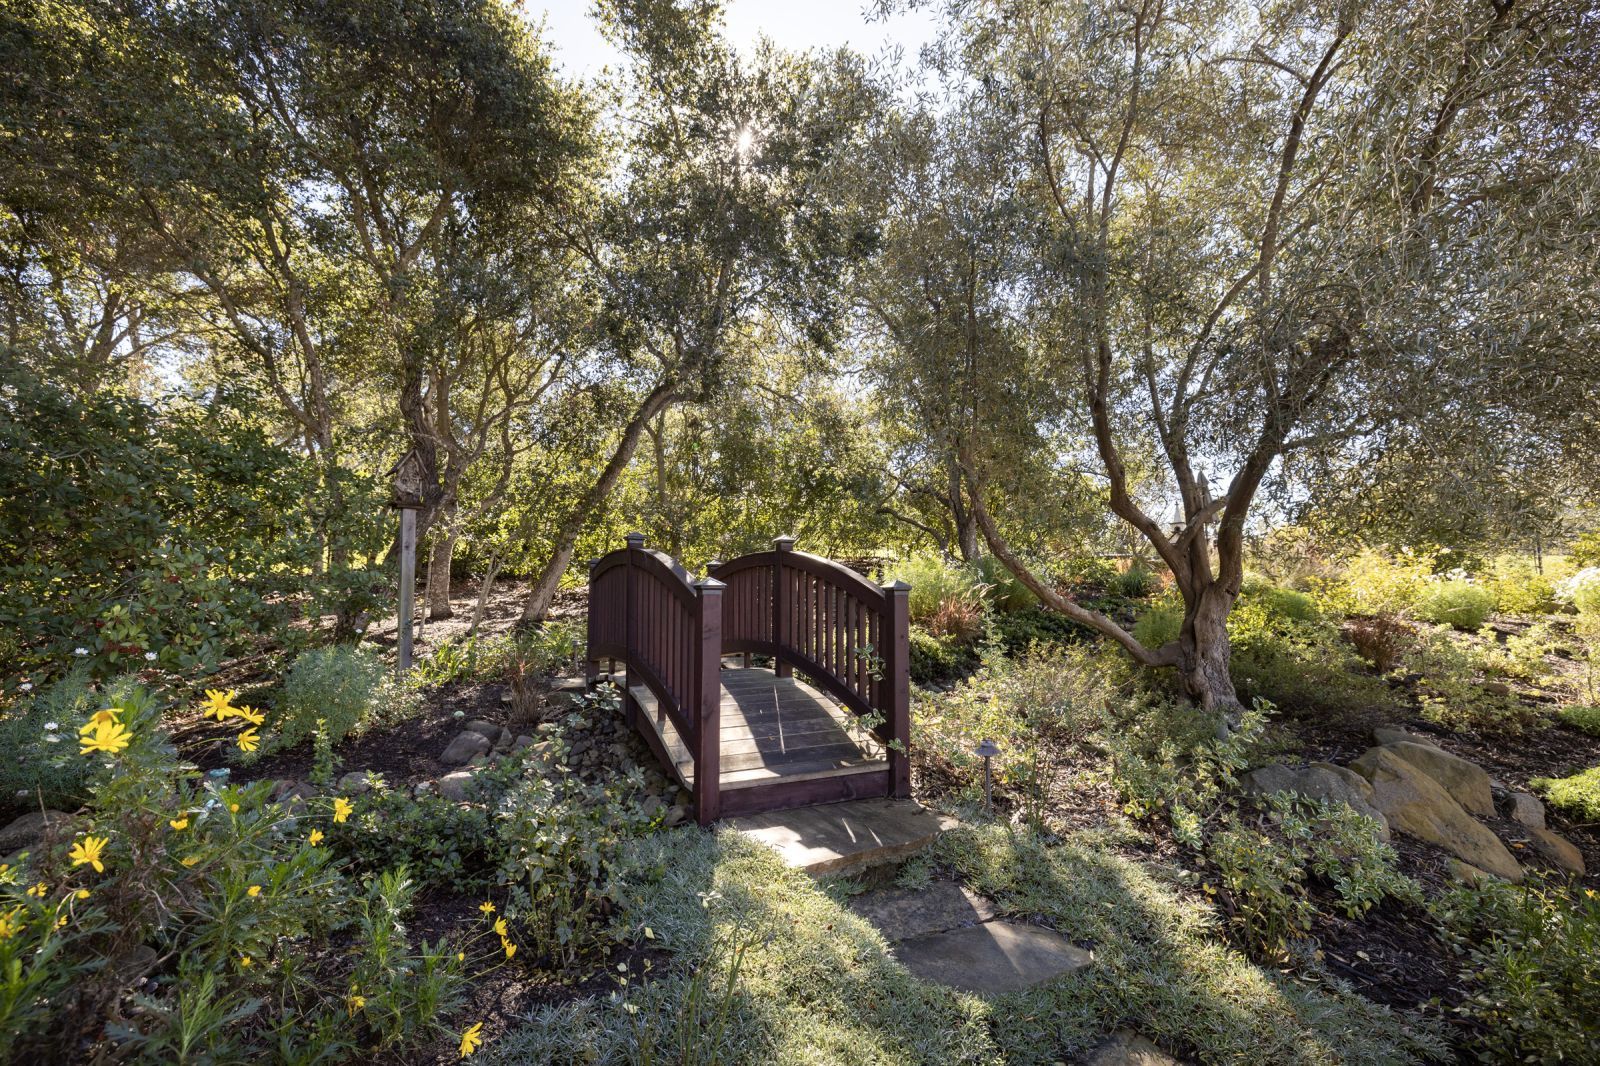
x: 444, y: 549
x: 549, y: 579
x: 961, y: 515
x: 1204, y: 653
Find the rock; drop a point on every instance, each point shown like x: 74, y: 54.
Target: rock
x: 503, y: 741
x: 1416, y: 804
x: 1388, y: 734
x: 561, y: 701
x: 521, y: 742
x: 1128, y: 1048
x: 1465, y: 781
x: 355, y: 783
x: 677, y: 814
x: 280, y: 788
x: 1323, y: 781
x: 992, y: 958
x: 424, y: 788
x: 1465, y: 872
x: 457, y: 786
x: 489, y: 730
x: 299, y: 794
x: 571, y: 684
x: 1525, y: 808
x: 1497, y: 688
x: 902, y: 913
x: 465, y: 747
x: 478, y: 760
x: 29, y: 830
x: 1557, y: 849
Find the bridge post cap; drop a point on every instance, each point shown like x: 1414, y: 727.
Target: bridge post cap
x: 710, y: 584
x: 898, y: 587
x: 713, y: 564
x: 635, y: 540
x: 594, y: 562
x: 784, y: 543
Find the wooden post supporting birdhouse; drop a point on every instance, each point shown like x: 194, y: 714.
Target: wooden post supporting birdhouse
x: 407, y: 499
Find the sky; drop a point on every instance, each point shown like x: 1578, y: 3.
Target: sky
x: 795, y: 24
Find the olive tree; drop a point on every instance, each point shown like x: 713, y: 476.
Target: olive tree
x: 1267, y: 230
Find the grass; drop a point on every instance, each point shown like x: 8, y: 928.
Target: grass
x: 816, y: 984
x: 1577, y: 797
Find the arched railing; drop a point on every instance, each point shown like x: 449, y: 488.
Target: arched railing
x: 648, y: 612
x: 850, y: 637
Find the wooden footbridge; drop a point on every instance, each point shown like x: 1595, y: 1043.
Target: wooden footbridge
x: 830, y: 718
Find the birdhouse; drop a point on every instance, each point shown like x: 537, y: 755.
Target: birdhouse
x: 408, y: 481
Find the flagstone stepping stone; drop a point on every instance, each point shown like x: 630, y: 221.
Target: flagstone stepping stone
x: 901, y: 913
x: 836, y: 837
x: 992, y: 958
x: 1130, y: 1049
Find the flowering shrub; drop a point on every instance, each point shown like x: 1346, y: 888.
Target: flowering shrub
x: 190, y: 920
x: 1455, y: 601
x: 39, y: 763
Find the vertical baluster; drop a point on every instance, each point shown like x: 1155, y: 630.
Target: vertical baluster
x: 781, y: 576
x: 897, y: 641
x: 706, y: 702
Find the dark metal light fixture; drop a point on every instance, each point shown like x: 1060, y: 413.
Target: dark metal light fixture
x: 988, y: 750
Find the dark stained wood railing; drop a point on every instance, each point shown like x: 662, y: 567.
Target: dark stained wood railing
x: 648, y: 612
x: 849, y: 637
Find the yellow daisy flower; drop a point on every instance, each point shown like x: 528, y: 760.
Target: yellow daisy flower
x: 82, y: 893
x: 88, y: 851
x: 500, y: 926
x: 249, y: 740
x: 486, y: 907
x: 250, y: 714
x: 472, y: 1039
x: 253, y: 891
x: 180, y: 823
x: 342, y: 809
x: 38, y: 890
x: 316, y: 837
x: 219, y: 704
x: 191, y: 860
x: 109, y: 737
x: 356, y: 1002
x: 510, y: 948
x: 9, y: 925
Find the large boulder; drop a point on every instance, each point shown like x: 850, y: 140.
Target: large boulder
x: 1558, y: 849
x: 30, y: 829
x: 1389, y: 734
x: 457, y: 786
x: 1416, y: 804
x: 1322, y: 781
x: 1465, y: 781
x: 1524, y: 808
x: 464, y: 748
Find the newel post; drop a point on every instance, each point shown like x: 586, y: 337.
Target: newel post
x: 897, y: 689
x: 780, y: 607
x: 707, y: 705
x: 630, y: 605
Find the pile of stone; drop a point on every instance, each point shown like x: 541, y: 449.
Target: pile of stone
x: 1407, y: 782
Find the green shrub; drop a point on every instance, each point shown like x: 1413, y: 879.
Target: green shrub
x: 1021, y: 630
x: 1450, y: 693
x: 1375, y: 582
x: 39, y: 760
x: 536, y: 652
x: 1582, y: 590
x: 1518, y: 587
x: 1585, y: 550
x: 1584, y: 716
x: 197, y: 921
x: 1159, y: 624
x: 1037, y: 707
x: 1455, y: 602
x: 1089, y: 572
x: 1003, y: 589
x: 1281, y: 603
x: 1136, y: 582
x: 1578, y: 796
x: 1264, y: 886
x: 1301, y: 667
x: 1532, y: 969
x: 337, y: 689
x: 1522, y: 655
x: 935, y: 584
x: 939, y: 658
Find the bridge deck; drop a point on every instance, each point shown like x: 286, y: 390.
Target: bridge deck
x: 773, y: 729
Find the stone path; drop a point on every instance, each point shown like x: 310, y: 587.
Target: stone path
x: 842, y: 837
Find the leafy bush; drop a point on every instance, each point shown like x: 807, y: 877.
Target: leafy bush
x: 185, y: 917
x: 38, y: 733
x: 336, y: 689
x: 1577, y: 796
x: 1264, y: 886
x: 1585, y: 550
x: 1301, y: 667
x: 1582, y: 590
x: 1518, y: 587
x: 1037, y: 707
x: 1003, y: 589
x: 1584, y: 716
x: 132, y: 531
x: 1159, y: 624
x: 939, y: 658
x: 1281, y: 603
x: 1019, y: 631
x: 1380, y: 639
x: 1450, y: 693
x: 1455, y: 602
x: 442, y: 843
x: 1136, y: 582
x: 1533, y: 968
x: 1089, y: 572
x: 1523, y: 654
x: 1375, y: 582
x: 936, y: 583
x: 535, y: 652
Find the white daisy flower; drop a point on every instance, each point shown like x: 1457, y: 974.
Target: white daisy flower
x: 80, y: 651
x: 51, y: 725
x: 26, y: 686
x: 149, y: 656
